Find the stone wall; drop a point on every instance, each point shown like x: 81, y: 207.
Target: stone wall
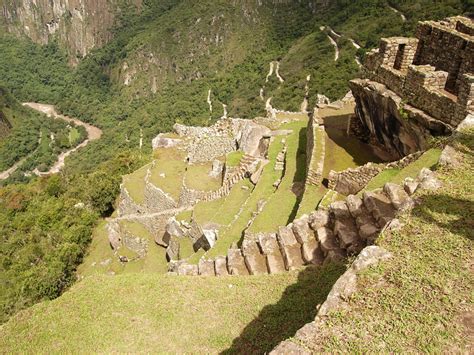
x: 351, y: 181
x: 320, y: 237
x: 315, y: 163
x: 430, y: 77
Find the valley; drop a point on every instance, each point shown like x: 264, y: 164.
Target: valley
x: 236, y: 177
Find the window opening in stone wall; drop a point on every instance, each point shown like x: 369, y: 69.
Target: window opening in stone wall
x: 399, y: 57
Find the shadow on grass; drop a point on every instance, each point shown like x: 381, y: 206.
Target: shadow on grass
x: 296, y: 307
x: 453, y: 214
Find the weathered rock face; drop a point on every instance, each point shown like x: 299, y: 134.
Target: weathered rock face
x: 79, y: 25
x: 379, y: 111
x: 417, y: 87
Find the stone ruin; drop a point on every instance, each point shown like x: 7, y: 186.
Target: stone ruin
x: 415, y: 88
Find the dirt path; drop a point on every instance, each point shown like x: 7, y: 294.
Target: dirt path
x: 398, y: 12
x: 330, y: 35
x: 93, y: 133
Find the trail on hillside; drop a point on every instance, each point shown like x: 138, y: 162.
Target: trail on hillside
x: 93, y: 133
x: 332, y: 40
x: 398, y: 12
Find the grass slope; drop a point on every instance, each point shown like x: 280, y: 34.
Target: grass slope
x: 137, y: 313
x: 421, y: 299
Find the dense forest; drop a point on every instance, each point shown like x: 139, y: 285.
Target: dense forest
x: 157, y: 70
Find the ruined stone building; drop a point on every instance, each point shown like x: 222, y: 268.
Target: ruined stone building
x: 415, y: 88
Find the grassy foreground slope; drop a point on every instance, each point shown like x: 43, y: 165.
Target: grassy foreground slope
x: 148, y: 312
x: 421, y: 300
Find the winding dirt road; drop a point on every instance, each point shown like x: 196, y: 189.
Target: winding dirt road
x: 93, y: 133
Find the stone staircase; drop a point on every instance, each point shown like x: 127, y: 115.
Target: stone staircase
x: 344, y: 229
x: 247, y: 165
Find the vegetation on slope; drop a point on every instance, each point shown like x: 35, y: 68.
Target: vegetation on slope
x: 420, y: 299
x: 186, y: 65
x: 136, y: 313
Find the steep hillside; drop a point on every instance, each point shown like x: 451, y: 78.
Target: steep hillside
x: 170, y: 62
x: 399, y: 303
x: 79, y: 25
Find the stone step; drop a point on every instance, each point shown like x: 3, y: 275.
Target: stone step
x: 220, y: 266
x: 255, y: 261
x: 310, y: 250
x: 206, y: 267
x: 380, y: 206
x: 185, y: 269
x: 236, y: 263
x: 269, y: 244
x: 290, y: 248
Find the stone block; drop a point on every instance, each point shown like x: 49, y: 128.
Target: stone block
x: 206, y: 267
x: 318, y: 219
x: 348, y: 235
x: 380, y: 206
x: 236, y: 263
x: 269, y: 245
x: 290, y: 248
x: 339, y: 209
x: 255, y: 261
x: 220, y: 264
x: 398, y: 196
x: 327, y: 240
x: 355, y: 205
x: 187, y: 269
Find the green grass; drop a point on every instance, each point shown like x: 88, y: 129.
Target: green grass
x: 342, y: 151
x: 281, y: 206
x: 313, y: 194
x: 233, y: 159
x: 223, y: 211
x: 381, y: 179
x: 197, y: 177
x: 169, y: 314
x: 419, y: 300
x: 100, y: 258
x: 428, y: 160
x: 170, y: 162
x: 135, y: 184
x: 311, y: 198
x: 263, y: 190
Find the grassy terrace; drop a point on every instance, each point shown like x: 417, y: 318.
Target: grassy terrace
x: 197, y: 177
x: 262, y: 191
x: 282, y: 205
x: 169, y: 170
x: 136, y: 313
x: 101, y: 258
x: 135, y: 184
x: 427, y: 160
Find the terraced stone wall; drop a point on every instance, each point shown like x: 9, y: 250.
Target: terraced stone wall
x: 418, y: 87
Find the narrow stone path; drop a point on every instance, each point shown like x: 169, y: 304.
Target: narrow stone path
x: 93, y: 133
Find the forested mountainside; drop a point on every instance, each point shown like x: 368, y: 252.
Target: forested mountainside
x: 160, y: 62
